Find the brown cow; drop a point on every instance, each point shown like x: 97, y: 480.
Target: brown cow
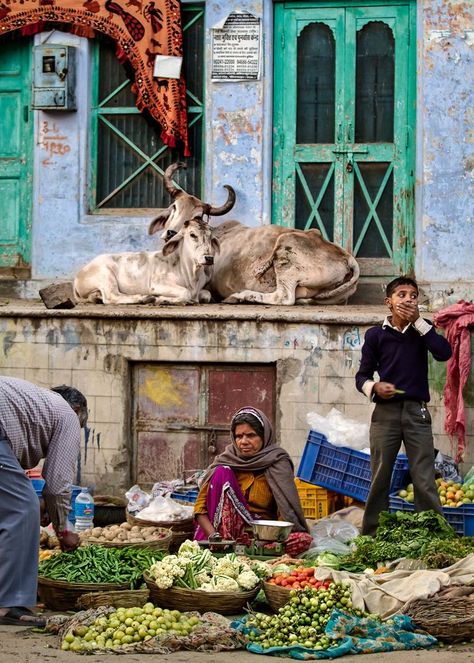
x: 265, y: 265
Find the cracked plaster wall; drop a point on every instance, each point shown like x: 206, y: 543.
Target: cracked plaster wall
x: 445, y: 145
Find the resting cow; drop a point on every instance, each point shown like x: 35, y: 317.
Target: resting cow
x: 265, y: 265
x: 175, y: 275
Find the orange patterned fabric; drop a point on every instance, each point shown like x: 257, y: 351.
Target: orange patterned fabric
x: 141, y: 29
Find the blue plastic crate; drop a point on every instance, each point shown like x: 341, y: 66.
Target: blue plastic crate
x: 344, y: 470
x: 190, y: 496
x: 461, y: 518
x: 38, y: 485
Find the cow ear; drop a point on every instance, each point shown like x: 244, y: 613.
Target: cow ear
x: 158, y: 222
x: 216, y: 244
x: 171, y: 245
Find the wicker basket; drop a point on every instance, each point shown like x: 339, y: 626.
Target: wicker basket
x: 277, y: 596
x: 130, y: 598
x: 61, y: 595
x: 157, y: 544
x: 176, y: 598
x: 180, y: 529
x: 173, y: 525
x: 448, y: 619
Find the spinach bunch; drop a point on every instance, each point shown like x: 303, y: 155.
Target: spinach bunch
x: 403, y: 534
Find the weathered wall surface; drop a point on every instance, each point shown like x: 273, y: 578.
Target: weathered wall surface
x: 316, y: 356
x: 445, y: 144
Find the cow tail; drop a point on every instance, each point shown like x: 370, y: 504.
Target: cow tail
x: 264, y: 267
x: 347, y: 288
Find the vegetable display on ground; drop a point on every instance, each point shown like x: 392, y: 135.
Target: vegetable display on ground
x: 414, y: 535
x: 128, y: 625
x: 197, y: 568
x: 96, y: 564
x: 303, y: 619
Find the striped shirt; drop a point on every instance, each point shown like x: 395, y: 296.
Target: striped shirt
x: 38, y: 423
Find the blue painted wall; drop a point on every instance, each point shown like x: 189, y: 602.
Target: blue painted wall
x: 238, y: 134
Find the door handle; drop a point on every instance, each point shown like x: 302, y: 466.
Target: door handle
x: 349, y: 167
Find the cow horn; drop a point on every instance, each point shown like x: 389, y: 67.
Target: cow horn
x: 168, y: 174
x: 227, y: 206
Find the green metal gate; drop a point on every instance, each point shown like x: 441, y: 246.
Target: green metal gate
x: 344, y: 115
x: 16, y: 144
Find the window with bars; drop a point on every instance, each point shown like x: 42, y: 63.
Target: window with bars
x: 128, y: 156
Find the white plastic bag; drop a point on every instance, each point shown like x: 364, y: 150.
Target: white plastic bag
x: 331, y: 535
x: 137, y: 499
x: 340, y: 430
x: 165, y: 509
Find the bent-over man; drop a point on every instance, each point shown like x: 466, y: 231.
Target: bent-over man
x: 35, y: 423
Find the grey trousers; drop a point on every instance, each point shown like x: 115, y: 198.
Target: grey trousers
x: 19, y: 533
x: 392, y: 423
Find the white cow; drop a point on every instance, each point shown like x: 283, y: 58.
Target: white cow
x: 266, y: 265
x: 175, y: 275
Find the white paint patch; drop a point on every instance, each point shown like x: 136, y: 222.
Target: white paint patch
x: 438, y: 36
x: 256, y: 157
x: 228, y: 158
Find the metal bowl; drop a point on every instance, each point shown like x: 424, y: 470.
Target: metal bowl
x: 272, y: 530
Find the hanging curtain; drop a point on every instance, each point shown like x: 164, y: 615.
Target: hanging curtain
x: 141, y: 30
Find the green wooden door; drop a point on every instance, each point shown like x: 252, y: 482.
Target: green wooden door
x: 15, y: 157
x: 344, y: 113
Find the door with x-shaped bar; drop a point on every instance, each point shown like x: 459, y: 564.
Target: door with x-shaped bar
x: 344, y: 118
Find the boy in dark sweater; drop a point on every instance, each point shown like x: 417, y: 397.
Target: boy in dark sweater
x: 398, y: 351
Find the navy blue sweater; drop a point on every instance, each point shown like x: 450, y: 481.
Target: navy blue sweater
x: 401, y: 359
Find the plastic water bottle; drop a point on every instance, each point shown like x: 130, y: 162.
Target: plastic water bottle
x: 84, y: 510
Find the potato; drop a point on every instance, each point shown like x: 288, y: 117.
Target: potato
x: 53, y: 542
x: 96, y: 531
x: 125, y: 526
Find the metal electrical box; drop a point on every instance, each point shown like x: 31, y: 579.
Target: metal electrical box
x: 54, y: 77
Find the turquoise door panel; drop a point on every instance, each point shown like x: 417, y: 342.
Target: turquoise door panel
x: 16, y: 144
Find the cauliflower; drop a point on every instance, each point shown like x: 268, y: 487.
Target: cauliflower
x: 248, y: 580
x: 261, y: 569
x: 227, y: 566
x: 224, y: 583
x: 202, y: 578
x: 189, y: 548
x: 166, y: 572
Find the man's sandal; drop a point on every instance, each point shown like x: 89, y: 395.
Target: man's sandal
x: 22, y: 617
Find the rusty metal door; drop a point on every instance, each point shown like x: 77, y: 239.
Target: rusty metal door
x: 182, y: 413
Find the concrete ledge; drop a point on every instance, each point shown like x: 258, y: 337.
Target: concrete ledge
x: 362, y: 314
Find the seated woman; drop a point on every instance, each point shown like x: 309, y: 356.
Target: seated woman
x: 252, y: 479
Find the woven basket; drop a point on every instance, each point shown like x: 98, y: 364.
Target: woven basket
x: 156, y: 544
x: 130, y: 598
x: 448, y: 619
x: 180, y: 529
x: 277, y: 596
x: 176, y: 598
x: 61, y: 595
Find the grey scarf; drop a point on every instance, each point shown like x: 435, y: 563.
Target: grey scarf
x: 276, y: 465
